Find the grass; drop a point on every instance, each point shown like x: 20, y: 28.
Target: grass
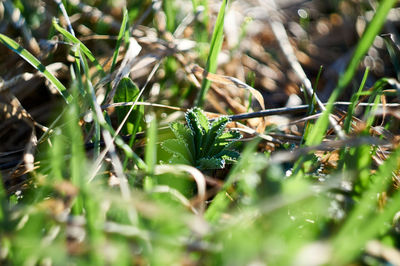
x: 215, y: 47
x: 138, y: 184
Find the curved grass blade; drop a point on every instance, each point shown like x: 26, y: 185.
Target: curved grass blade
x: 80, y: 45
x: 31, y: 59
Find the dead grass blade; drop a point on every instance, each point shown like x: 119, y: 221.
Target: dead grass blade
x: 145, y: 104
x: 201, y: 73
x: 194, y: 172
x: 175, y: 193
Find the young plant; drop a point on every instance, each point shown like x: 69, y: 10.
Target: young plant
x: 202, y: 144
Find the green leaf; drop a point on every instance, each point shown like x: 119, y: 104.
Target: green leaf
x: 203, y: 120
x: 178, y: 160
x: 182, y: 132
x: 229, y: 155
x: 216, y: 130
x: 354, y: 100
x: 179, y: 149
x: 194, y: 124
x: 127, y: 91
x: 31, y: 59
x: 394, y: 52
x: 188, y: 147
x: 225, y: 141
x: 211, y: 163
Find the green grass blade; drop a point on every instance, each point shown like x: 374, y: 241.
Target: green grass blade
x: 150, y: 155
x: 365, y: 42
x: 215, y: 48
x: 354, y: 100
x: 78, y: 159
x: 119, y: 40
x: 31, y: 59
x: 80, y: 45
x: 170, y: 12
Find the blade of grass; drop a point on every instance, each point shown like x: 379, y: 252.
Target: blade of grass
x: 354, y: 100
x: 170, y: 12
x: 65, y: 14
x: 31, y: 59
x: 151, y: 152
x: 78, y: 158
x: 119, y: 39
x: 363, y: 45
x: 212, y: 60
x: 79, y: 45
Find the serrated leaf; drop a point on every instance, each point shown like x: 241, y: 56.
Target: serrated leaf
x: 204, y: 123
x: 178, y: 160
x: 187, y: 146
x: 216, y: 130
x: 178, y: 148
x: 211, y: 163
x: 225, y: 141
x: 194, y: 124
x: 182, y: 132
x: 229, y: 155
x: 127, y: 91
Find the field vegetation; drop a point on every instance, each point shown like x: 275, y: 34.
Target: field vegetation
x: 242, y: 132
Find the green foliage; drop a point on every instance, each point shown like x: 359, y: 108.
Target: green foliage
x: 200, y: 143
x: 127, y: 91
x: 79, y: 46
x: 256, y: 212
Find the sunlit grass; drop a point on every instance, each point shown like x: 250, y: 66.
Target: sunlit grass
x: 136, y: 205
